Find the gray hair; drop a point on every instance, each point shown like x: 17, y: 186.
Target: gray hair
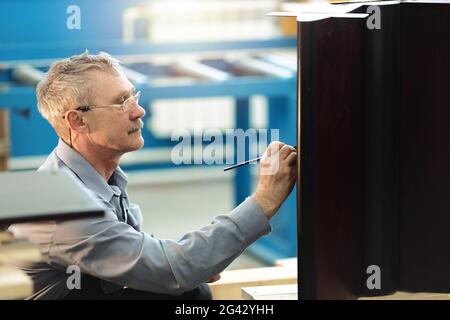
x: 66, y: 85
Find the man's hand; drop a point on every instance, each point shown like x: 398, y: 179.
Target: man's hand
x: 213, y: 278
x: 278, y: 172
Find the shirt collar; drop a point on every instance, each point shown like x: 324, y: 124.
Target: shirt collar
x: 88, y: 175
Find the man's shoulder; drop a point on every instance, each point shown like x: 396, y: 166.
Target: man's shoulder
x: 51, y: 163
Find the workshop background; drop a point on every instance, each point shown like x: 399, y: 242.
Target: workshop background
x: 218, y: 64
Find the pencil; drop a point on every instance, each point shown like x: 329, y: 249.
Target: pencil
x: 244, y: 163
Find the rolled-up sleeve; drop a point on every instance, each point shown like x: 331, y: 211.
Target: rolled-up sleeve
x: 116, y: 252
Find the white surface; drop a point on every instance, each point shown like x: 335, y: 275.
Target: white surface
x: 34, y: 194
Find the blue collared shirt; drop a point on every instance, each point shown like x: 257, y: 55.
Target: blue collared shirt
x: 115, y: 249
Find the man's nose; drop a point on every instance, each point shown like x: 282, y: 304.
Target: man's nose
x: 137, y: 112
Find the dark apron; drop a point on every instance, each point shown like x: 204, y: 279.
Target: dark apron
x: 91, y: 289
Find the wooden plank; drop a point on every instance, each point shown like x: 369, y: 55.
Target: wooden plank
x: 276, y: 292
x: 329, y: 194
x: 425, y: 151
x: 288, y: 262
x: 410, y: 296
x: 14, y: 283
x: 230, y: 284
x: 5, y: 237
x: 289, y: 292
x: 19, y: 250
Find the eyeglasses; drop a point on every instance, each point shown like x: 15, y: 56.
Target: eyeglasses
x: 125, y: 106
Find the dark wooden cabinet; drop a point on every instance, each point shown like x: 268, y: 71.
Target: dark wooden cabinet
x: 374, y: 166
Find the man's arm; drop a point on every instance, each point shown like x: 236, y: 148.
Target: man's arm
x: 113, y: 251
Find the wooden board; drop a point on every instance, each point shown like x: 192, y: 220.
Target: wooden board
x: 289, y: 292
x: 230, y: 284
x: 14, y: 283
x: 425, y: 148
x: 330, y: 169
x: 279, y: 292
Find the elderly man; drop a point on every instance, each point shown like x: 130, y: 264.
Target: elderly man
x: 95, y: 111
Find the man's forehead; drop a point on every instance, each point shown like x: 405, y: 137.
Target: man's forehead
x: 107, y: 85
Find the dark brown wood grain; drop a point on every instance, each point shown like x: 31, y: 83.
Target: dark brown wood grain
x: 425, y: 148
x: 374, y: 139
x: 331, y: 158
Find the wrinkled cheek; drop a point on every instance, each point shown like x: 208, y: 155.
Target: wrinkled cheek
x: 112, y: 141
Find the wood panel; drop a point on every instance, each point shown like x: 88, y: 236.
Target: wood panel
x: 425, y: 148
x: 329, y: 194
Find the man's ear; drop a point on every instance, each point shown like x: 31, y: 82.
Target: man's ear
x: 76, y: 122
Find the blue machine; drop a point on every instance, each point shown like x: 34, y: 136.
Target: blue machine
x: 34, y: 33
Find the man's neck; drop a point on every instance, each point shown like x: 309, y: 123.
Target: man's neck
x: 104, y: 162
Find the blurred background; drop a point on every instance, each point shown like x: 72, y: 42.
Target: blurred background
x: 217, y: 64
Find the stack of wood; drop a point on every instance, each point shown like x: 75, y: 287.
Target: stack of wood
x: 14, y: 283
x: 231, y: 283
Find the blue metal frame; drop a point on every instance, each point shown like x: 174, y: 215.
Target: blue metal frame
x: 57, y: 50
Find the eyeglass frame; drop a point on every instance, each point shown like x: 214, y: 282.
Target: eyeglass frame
x: 120, y: 106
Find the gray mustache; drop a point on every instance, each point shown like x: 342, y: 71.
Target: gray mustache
x: 139, y: 125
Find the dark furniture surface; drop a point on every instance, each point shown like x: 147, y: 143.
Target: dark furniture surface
x: 374, y: 166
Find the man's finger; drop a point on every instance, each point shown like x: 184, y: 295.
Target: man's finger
x: 292, y: 159
x: 274, y: 147
x: 285, y: 151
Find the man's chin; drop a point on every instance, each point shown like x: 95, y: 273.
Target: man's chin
x: 140, y: 143
x: 136, y: 144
